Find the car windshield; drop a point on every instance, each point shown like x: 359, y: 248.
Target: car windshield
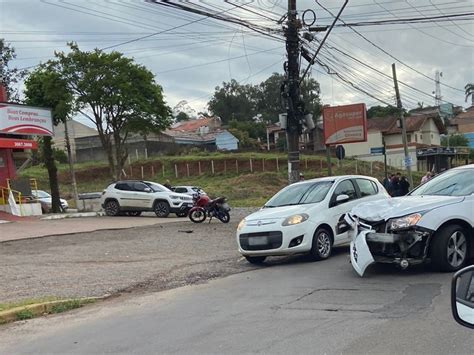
x: 450, y: 183
x: 41, y: 194
x: 157, y: 187
x: 298, y: 194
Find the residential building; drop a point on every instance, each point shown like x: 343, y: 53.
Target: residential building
x: 423, y: 130
x: 464, y: 123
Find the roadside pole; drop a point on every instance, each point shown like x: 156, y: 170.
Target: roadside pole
x: 385, y: 157
x: 293, y: 94
x: 402, y: 125
x: 71, y: 165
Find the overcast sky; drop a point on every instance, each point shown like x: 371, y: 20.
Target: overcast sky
x: 190, y: 61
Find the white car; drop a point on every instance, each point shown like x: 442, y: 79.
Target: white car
x: 134, y: 197
x: 45, y: 199
x: 301, y: 218
x: 434, y: 222
x: 189, y: 190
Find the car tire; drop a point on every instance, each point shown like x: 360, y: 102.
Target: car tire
x: 134, y: 213
x: 256, y: 260
x: 112, y: 208
x: 322, y: 245
x: 449, y: 251
x: 162, y: 209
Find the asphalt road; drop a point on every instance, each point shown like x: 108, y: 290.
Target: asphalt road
x: 290, y: 307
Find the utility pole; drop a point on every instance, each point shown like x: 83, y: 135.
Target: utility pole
x: 407, y: 159
x: 293, y: 101
x: 437, y: 92
x: 71, y: 164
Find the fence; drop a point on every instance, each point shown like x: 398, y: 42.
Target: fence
x: 183, y: 169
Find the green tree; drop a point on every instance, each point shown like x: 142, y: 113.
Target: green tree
x: 182, y: 116
x: 469, y: 91
x: 9, y: 76
x: 119, y: 96
x: 234, y: 101
x: 382, y: 111
x: 46, y: 88
x: 455, y: 140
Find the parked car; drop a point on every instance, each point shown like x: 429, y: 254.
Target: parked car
x: 134, y: 197
x: 45, y: 199
x: 462, y: 297
x: 189, y: 190
x: 301, y: 218
x: 433, y: 223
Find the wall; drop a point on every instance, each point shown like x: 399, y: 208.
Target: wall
x: 374, y: 139
x: 430, y: 133
x: 135, y: 150
x: 226, y: 141
x: 466, y: 128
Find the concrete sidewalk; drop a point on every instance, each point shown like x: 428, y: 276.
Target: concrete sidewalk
x: 30, y: 227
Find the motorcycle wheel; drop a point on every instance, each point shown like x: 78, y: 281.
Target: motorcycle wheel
x: 197, y: 216
x: 224, y: 216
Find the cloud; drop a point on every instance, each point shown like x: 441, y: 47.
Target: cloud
x: 37, y: 28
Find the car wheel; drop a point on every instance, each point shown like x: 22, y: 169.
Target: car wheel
x: 162, y: 209
x: 322, y: 244
x: 257, y: 260
x: 134, y: 213
x: 112, y: 208
x: 449, y: 249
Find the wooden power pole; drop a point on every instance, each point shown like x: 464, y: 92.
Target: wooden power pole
x: 293, y: 93
x: 407, y: 160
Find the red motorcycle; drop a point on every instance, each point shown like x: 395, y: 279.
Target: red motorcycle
x: 205, y: 207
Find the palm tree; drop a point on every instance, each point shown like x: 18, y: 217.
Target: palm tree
x: 470, y: 92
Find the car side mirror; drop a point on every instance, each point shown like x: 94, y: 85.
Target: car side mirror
x: 342, y: 198
x: 462, y: 297
x: 147, y: 189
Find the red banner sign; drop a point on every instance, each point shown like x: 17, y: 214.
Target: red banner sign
x: 17, y: 143
x: 345, y: 124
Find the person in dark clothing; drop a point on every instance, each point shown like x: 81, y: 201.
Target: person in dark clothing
x: 386, y: 181
x: 404, y: 186
x: 395, y: 186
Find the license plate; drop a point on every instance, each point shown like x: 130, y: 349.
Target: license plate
x: 258, y: 241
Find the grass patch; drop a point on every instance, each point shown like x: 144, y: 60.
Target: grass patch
x: 69, y: 305
x: 24, y: 314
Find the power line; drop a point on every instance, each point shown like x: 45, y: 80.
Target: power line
x: 387, y: 53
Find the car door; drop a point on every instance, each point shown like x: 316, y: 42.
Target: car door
x: 143, y: 198
x: 125, y: 194
x: 337, y: 210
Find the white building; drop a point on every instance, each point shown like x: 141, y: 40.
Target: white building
x: 423, y: 130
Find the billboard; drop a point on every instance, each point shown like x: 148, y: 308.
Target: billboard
x: 345, y: 124
x: 25, y: 120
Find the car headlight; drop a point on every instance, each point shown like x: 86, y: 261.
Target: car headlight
x: 295, y: 219
x: 241, y: 225
x: 404, y: 222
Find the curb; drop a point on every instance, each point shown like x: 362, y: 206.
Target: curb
x: 39, y: 309
x: 74, y: 215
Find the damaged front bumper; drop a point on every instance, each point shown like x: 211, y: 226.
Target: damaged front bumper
x: 373, y: 243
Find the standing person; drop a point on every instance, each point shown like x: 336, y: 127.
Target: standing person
x: 386, y: 181
x: 426, y: 177
x: 301, y: 177
x: 395, y: 185
x: 404, y: 186
x: 167, y: 184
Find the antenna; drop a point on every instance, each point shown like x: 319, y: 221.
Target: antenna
x: 437, y: 91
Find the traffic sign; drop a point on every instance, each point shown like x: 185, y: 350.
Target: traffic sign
x: 377, y: 151
x: 408, y: 161
x: 340, y: 152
